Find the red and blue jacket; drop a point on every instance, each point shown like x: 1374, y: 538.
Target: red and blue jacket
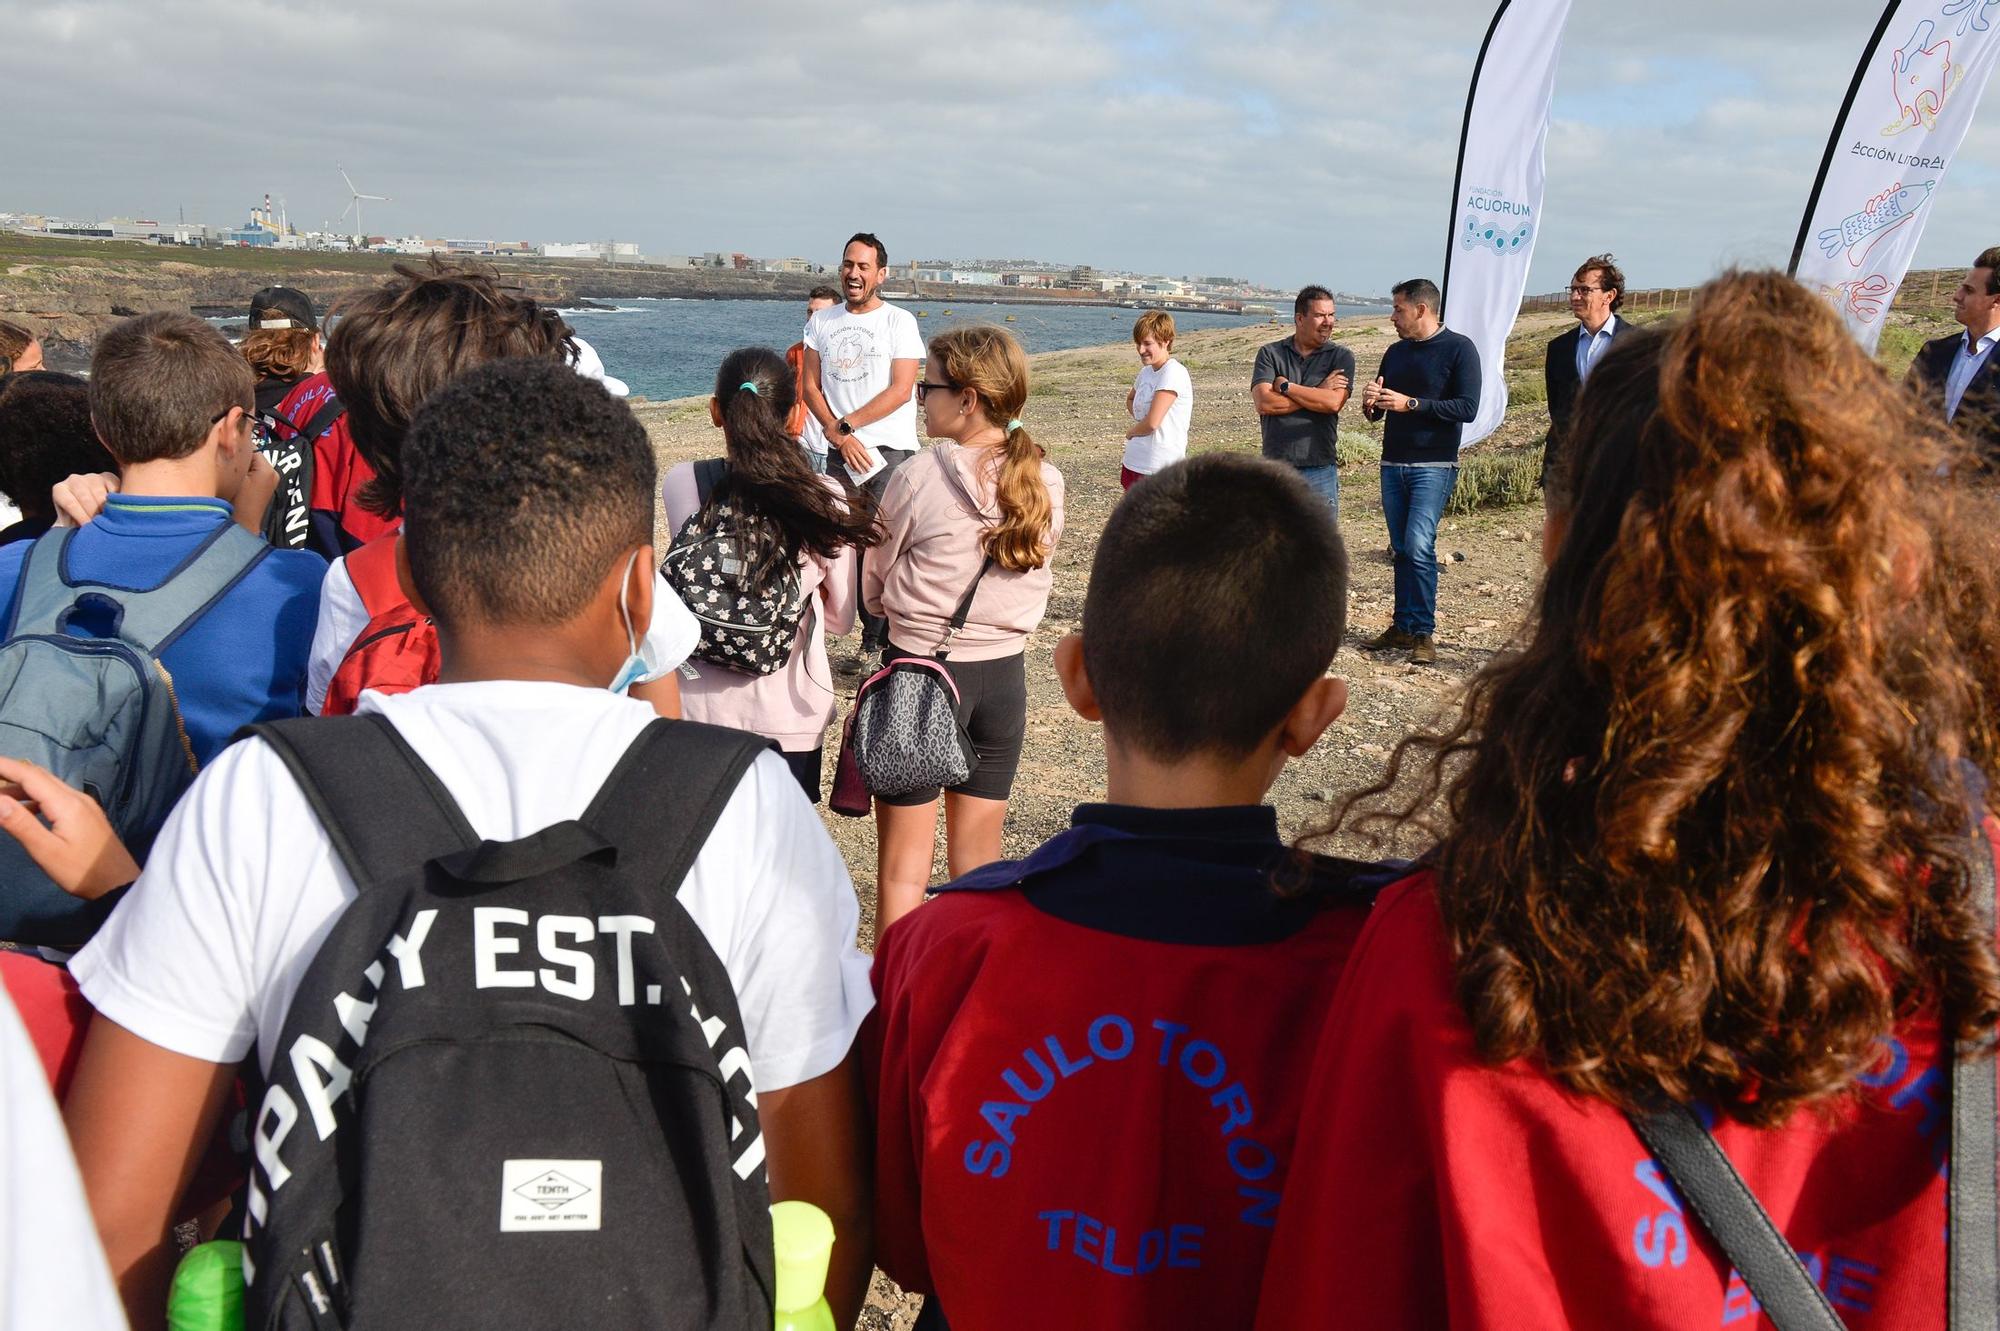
x: 1087, y: 1068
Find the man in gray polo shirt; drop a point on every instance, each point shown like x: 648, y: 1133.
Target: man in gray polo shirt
x: 1299, y: 386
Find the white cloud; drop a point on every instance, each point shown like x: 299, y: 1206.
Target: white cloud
x: 1287, y: 143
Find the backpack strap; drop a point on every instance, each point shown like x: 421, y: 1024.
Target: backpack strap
x: 1974, y: 1233
x: 662, y: 799
x: 1737, y: 1221
x: 382, y: 808
x: 320, y: 421
x: 708, y: 473
x: 150, y: 619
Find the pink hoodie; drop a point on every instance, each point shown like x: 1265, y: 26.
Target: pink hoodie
x: 792, y: 705
x: 933, y: 511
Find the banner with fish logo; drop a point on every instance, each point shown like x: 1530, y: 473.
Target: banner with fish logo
x: 1906, y: 113
x: 1496, y: 198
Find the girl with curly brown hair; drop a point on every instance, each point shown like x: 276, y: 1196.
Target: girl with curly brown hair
x: 1706, y: 840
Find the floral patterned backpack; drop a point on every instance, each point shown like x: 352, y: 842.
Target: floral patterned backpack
x: 711, y: 563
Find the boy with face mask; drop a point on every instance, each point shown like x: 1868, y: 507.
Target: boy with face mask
x: 528, y: 537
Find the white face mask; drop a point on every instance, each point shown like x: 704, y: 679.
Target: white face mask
x: 634, y: 668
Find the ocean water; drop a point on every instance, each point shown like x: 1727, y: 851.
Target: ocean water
x: 670, y: 348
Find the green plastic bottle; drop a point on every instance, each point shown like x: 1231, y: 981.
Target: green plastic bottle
x: 207, y: 1293
x: 803, y: 1239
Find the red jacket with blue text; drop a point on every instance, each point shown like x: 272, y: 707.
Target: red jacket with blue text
x: 1087, y: 1066
x: 1435, y: 1190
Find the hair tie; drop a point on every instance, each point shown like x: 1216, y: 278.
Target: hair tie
x: 747, y: 386
x: 1013, y: 425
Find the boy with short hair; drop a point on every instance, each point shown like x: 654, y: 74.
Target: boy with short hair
x: 174, y: 404
x: 1161, y: 402
x: 529, y: 496
x: 1085, y: 1064
x: 395, y: 345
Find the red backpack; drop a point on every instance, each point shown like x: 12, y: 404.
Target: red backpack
x: 398, y: 651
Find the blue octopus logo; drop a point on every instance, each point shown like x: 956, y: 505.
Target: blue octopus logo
x: 1483, y: 231
x: 1972, y: 15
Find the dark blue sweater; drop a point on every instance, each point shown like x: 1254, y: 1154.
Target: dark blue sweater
x: 1442, y: 373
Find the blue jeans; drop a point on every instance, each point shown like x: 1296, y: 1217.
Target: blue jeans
x: 1413, y: 499
x: 1325, y: 482
x: 817, y: 461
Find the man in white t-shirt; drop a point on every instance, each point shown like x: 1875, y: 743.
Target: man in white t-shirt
x: 541, y: 589
x: 1161, y: 402
x: 861, y: 363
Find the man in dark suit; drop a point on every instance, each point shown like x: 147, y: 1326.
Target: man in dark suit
x: 1959, y: 375
x: 1595, y: 294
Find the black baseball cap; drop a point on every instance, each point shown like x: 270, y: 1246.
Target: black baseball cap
x: 282, y: 307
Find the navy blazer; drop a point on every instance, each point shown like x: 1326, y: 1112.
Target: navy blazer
x: 1559, y: 373
x: 1979, y: 411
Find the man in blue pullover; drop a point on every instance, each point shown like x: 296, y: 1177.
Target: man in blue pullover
x: 1428, y: 388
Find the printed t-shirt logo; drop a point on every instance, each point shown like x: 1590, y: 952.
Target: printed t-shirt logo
x: 847, y: 355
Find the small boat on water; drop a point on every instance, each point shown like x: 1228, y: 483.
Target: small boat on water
x: 1011, y: 318
x: 923, y: 314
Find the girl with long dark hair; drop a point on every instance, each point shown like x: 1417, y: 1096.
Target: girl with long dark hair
x: 798, y: 535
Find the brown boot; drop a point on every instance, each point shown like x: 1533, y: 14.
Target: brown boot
x: 1423, y: 651
x: 1391, y: 639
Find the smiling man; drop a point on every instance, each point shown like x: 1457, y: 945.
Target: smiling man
x: 861, y: 360
x: 1298, y: 387
x: 1595, y: 293
x: 1959, y: 374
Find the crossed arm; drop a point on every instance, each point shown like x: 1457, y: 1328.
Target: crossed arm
x: 1328, y: 397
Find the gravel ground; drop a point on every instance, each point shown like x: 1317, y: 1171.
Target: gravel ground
x: 1077, y: 411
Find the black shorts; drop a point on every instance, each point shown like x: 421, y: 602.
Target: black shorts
x: 993, y: 708
x: 805, y: 767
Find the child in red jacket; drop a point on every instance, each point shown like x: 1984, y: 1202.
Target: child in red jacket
x: 1086, y: 1064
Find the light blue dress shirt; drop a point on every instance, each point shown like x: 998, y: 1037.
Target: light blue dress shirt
x: 1971, y: 356
x: 1590, y: 346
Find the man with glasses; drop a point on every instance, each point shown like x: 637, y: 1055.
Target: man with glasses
x: 1595, y: 294
x: 860, y: 368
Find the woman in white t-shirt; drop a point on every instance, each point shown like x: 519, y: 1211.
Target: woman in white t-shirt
x: 1161, y: 402
x: 814, y: 524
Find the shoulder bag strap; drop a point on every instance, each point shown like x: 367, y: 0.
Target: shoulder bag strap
x: 1975, y: 1267
x: 1734, y: 1217
x: 382, y: 808
x: 959, y: 615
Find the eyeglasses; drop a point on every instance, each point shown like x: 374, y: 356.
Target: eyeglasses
x: 1585, y: 291
x: 223, y: 415
x: 925, y: 385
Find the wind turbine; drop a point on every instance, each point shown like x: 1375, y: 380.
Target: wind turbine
x: 354, y: 198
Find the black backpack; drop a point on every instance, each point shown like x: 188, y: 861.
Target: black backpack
x: 513, y: 1088
x: 289, y: 446
x: 744, y: 627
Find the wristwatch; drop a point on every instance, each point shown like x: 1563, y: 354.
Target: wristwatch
x: 1409, y: 404
x: 843, y: 427
x: 1284, y: 387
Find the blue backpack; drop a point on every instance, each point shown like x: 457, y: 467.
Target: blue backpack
x: 83, y: 694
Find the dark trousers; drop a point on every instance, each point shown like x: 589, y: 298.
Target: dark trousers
x: 874, y: 628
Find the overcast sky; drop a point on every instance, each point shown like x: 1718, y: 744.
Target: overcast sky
x: 1282, y: 142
